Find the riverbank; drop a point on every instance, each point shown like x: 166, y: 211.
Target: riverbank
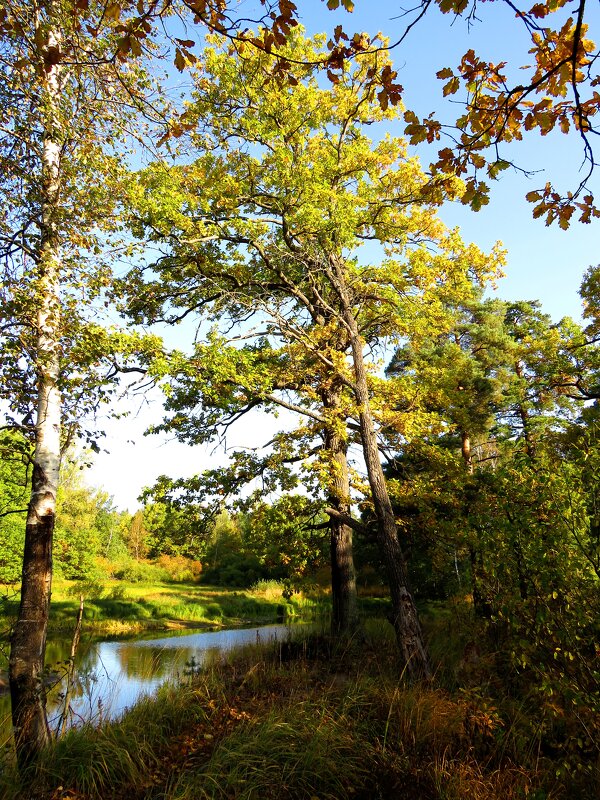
x: 117, y: 608
x: 121, y: 610
x: 307, y: 719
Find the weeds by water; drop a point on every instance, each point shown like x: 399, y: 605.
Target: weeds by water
x: 309, y: 718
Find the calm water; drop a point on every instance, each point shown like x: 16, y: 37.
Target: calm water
x: 112, y: 675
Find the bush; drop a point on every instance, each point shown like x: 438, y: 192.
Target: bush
x: 214, y: 611
x: 269, y: 589
x: 236, y: 569
x: 180, y: 569
x: 140, y: 571
x: 88, y: 587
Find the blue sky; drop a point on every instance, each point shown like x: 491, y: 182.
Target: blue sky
x: 543, y: 263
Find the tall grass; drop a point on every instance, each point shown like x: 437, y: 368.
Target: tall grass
x: 291, y: 754
x: 101, y: 761
x: 306, y: 719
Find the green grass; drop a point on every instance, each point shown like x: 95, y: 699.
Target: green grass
x: 115, y: 607
x: 284, y: 755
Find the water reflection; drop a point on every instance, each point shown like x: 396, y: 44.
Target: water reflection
x: 150, y: 662
x: 112, y: 675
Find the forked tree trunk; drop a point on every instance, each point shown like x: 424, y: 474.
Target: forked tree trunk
x: 404, y: 612
x: 343, y: 578
x: 28, y: 643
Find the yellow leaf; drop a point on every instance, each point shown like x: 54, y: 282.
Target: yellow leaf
x: 451, y: 87
x: 533, y: 197
x: 113, y: 11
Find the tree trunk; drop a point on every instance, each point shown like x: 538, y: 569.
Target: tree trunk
x: 467, y: 454
x: 480, y: 604
x: 28, y: 643
x: 343, y: 578
x: 524, y: 416
x: 404, y: 612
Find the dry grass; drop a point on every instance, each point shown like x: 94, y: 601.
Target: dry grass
x: 306, y: 720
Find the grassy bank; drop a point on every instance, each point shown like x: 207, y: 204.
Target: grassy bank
x: 307, y: 720
x: 118, y: 608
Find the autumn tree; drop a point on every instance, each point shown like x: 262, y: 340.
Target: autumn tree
x: 271, y: 220
x: 548, y: 87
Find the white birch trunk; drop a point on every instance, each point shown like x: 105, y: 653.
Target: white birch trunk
x: 28, y: 642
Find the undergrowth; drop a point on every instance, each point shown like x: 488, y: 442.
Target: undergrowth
x: 308, y: 718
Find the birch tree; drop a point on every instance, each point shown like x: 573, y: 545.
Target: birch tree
x: 67, y: 93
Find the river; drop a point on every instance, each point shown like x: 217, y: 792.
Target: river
x: 112, y: 675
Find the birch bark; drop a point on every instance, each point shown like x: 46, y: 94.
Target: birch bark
x: 28, y: 643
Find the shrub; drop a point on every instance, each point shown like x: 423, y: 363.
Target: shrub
x: 180, y: 569
x: 139, y: 571
x: 88, y: 587
x: 269, y: 589
x: 214, y: 611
